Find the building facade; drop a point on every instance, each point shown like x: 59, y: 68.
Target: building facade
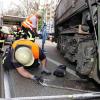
x: 49, y: 12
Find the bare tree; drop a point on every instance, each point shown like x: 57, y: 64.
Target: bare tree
x: 29, y: 6
x: 25, y: 8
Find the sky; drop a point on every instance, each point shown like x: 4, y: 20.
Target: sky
x: 5, y: 4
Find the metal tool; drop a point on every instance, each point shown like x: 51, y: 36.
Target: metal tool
x: 46, y: 84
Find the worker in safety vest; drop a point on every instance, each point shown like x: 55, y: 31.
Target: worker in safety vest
x: 25, y: 54
x: 30, y: 25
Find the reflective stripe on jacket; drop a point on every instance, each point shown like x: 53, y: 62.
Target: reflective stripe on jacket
x: 28, y: 23
x: 1, y: 41
x: 30, y: 37
x: 34, y: 46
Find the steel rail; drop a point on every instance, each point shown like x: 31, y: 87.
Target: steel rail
x: 83, y: 96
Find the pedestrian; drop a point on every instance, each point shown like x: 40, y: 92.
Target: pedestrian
x: 30, y: 25
x: 25, y: 54
x: 44, y: 36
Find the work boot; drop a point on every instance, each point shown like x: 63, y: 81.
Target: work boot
x: 45, y: 71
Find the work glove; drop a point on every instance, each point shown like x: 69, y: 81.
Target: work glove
x: 38, y: 79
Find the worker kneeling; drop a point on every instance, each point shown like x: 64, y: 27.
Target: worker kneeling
x: 23, y: 54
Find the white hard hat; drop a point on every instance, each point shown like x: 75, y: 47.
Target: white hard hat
x: 24, y: 56
x: 5, y: 30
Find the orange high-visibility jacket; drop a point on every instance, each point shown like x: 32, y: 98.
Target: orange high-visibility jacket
x: 34, y: 46
x: 27, y: 23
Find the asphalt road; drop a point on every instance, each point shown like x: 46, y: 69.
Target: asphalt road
x: 21, y: 87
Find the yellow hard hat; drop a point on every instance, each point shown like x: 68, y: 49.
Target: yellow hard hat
x: 24, y: 56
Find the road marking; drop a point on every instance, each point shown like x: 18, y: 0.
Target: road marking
x: 67, y: 69
x: 6, y: 86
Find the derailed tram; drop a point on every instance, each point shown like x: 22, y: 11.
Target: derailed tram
x: 77, y: 33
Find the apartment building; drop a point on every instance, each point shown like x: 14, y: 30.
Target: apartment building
x: 49, y: 7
